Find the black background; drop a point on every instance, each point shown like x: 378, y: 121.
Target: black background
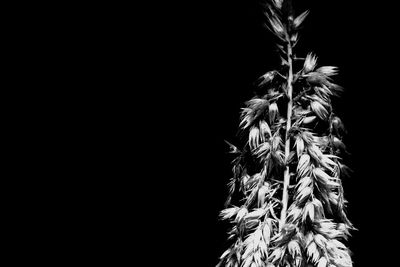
x: 127, y: 150
x: 208, y: 55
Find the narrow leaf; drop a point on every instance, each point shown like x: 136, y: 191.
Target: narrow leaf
x: 262, y: 150
x: 322, y: 262
x: 319, y: 110
x: 254, y: 137
x: 308, y: 120
x: 309, y: 212
x: 303, y: 163
x: 304, y: 182
x: 240, y: 215
x: 225, y: 254
x: 273, y: 112
x: 310, y: 63
x: 276, y: 254
x: 299, y: 145
x: 276, y: 142
x: 294, y: 213
x: 315, y: 152
x: 277, y: 26
x: 312, y: 252
x: 320, y: 240
x: 328, y: 70
x: 303, y: 194
x: 228, y: 213
x: 261, y: 195
x: 278, y: 3
x: 255, y: 214
x: 338, y: 143
x: 266, y: 233
x: 299, y: 19
x: 247, y: 262
x: 265, y: 131
x: 266, y: 78
x: 294, y: 248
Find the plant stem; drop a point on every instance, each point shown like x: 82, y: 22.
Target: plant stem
x: 286, y: 181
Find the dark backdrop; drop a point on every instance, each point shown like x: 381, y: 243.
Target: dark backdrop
x: 209, y: 54
x: 177, y: 74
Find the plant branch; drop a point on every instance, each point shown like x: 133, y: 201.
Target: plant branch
x: 286, y: 179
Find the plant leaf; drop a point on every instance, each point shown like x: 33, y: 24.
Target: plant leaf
x: 303, y: 163
x: 262, y: 150
x: 322, y: 262
x: 278, y: 3
x: 319, y: 110
x: 277, y: 26
x: 267, y: 233
x: 310, y: 63
x: 276, y: 142
x: 265, y: 130
x: 308, y: 120
x: 240, y: 215
x: 273, y: 112
x: 304, y: 182
x: 255, y: 214
x: 294, y: 248
x: 320, y: 240
x: 247, y: 262
x: 261, y: 195
x: 312, y: 252
x: 328, y: 70
x: 266, y: 78
x: 254, y: 108
x: 254, y: 137
x: 294, y: 213
x: 324, y: 178
x: 303, y: 194
x: 225, y: 254
x: 276, y: 254
x: 299, y: 145
x: 315, y: 152
x: 309, y: 211
x: 299, y: 19
x: 228, y: 213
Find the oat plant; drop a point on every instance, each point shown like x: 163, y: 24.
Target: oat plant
x: 286, y: 205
